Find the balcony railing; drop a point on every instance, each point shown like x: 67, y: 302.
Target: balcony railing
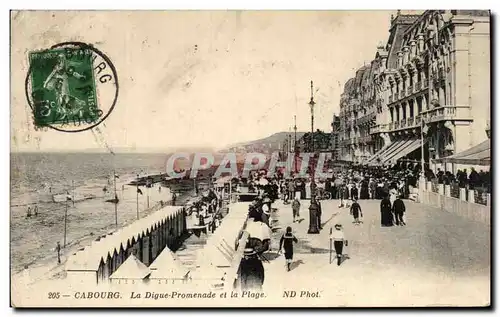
x: 366, y: 139
x: 375, y: 129
x: 401, y: 94
x: 402, y: 123
x: 418, y: 120
x: 418, y: 86
x: 447, y: 113
x: 409, y: 90
x: 391, y: 126
x: 396, y: 125
x: 410, y: 122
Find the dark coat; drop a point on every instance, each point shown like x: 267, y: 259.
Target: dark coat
x: 286, y: 242
x: 386, y: 212
x: 398, y: 206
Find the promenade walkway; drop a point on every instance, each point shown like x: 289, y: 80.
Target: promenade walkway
x: 437, y: 259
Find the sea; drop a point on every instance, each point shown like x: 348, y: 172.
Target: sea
x: 42, y: 179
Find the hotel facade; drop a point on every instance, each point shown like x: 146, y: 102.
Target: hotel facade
x: 429, y: 83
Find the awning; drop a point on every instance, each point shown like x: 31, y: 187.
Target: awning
x: 384, y: 153
x: 374, y: 157
x: 476, y: 155
x: 381, y: 153
x: 409, y: 147
x: 400, y: 146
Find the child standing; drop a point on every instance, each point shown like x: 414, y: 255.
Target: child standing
x: 286, y: 242
x: 356, y: 211
x: 338, y: 238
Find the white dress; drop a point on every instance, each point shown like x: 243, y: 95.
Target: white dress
x: 393, y: 193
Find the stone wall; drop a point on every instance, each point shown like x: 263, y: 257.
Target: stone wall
x: 460, y: 206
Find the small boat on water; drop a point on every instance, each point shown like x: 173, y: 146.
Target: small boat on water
x: 60, y: 198
x: 113, y: 200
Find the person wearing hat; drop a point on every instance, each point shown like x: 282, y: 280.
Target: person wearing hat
x: 398, y: 208
x: 338, y: 238
x: 266, y: 213
x: 251, y: 272
x: 286, y: 242
x: 254, y: 211
x: 356, y: 211
x: 386, y: 217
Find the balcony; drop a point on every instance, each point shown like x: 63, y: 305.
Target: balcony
x: 391, y: 126
x: 418, y: 86
x: 402, y: 123
x: 366, y: 139
x: 401, y: 94
x: 396, y: 125
x: 409, y: 90
x: 379, y: 128
x: 418, y: 120
x: 445, y: 113
x: 410, y: 122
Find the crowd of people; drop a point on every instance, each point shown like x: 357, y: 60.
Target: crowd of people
x: 472, y: 180
x: 389, y: 185
x: 349, y: 184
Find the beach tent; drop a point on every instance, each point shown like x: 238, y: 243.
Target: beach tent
x: 476, y: 155
x: 132, y: 268
x: 167, y: 266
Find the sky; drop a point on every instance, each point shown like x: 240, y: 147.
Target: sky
x: 200, y: 78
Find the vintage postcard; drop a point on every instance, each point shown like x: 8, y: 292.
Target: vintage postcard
x: 250, y: 158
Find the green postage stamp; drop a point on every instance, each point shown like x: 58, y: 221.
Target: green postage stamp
x: 63, y: 87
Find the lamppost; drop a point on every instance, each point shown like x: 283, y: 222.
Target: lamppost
x: 295, y: 144
x: 314, y: 207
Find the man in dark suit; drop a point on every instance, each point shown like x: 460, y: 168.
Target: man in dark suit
x: 399, y: 209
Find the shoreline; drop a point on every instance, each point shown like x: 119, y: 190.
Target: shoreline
x: 47, y: 268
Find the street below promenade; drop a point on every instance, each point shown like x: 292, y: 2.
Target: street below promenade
x: 438, y: 259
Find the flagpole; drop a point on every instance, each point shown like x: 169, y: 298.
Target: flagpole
x: 147, y: 190
x: 116, y: 201
x: 137, y: 195
x: 65, y: 220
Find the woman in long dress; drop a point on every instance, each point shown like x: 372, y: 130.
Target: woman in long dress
x: 386, y: 212
x: 251, y: 273
x: 364, y: 194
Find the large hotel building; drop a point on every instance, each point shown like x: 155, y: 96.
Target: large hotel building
x: 432, y: 75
